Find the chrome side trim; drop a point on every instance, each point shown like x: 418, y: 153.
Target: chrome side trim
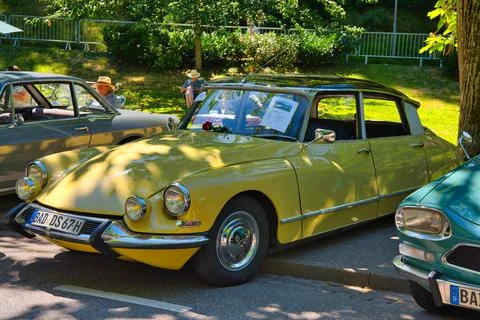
x: 291, y: 219
x: 340, y: 207
x: 118, y: 236
x: 453, y: 266
x: 411, y: 273
x: 7, y: 190
x: 399, y: 193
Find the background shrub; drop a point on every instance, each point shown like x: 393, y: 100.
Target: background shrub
x: 165, y: 49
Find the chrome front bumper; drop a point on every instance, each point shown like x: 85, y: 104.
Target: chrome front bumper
x: 411, y: 273
x: 103, y: 234
x: 436, y: 283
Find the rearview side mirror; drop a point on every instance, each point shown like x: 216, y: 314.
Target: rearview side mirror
x: 465, y: 141
x: 171, y: 125
x: 324, y: 135
x: 18, y: 120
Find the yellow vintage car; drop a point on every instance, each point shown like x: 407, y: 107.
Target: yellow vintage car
x: 255, y: 165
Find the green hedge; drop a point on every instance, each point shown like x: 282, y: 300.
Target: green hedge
x: 166, y: 49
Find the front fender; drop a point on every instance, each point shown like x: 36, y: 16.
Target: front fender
x: 211, y: 190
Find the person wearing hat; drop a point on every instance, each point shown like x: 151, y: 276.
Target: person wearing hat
x: 105, y: 87
x: 191, y: 86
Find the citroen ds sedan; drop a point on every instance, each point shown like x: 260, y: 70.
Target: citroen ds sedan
x: 254, y: 165
x: 46, y: 113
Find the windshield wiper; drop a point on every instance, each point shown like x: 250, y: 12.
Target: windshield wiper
x: 274, y: 136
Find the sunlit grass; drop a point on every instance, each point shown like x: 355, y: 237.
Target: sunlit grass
x: 154, y: 91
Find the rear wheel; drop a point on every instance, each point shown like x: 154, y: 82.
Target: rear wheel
x: 423, y: 297
x: 238, y: 245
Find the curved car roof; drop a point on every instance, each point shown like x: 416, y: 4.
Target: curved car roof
x: 7, y: 76
x: 309, y: 83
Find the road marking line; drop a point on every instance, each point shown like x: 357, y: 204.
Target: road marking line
x: 124, y: 298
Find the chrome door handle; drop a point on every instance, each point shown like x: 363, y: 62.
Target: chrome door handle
x: 81, y: 129
x: 417, y: 145
x: 366, y: 150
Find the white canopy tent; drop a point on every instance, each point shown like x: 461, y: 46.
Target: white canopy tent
x: 8, y: 28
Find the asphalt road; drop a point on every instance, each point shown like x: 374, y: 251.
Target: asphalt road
x: 39, y: 280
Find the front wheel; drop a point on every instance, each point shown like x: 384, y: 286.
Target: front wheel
x: 238, y: 244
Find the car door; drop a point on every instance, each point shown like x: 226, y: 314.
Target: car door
x: 398, y: 155
x: 98, y: 117
x: 336, y: 180
x: 45, y: 122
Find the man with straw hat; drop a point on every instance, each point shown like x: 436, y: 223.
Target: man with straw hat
x: 191, y: 86
x: 105, y: 87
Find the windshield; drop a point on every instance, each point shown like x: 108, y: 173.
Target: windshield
x: 253, y: 113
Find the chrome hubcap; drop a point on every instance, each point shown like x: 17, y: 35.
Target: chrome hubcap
x: 237, y: 241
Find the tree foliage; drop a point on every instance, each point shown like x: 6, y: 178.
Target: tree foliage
x: 459, y: 29
x: 280, y: 13
x: 445, y: 38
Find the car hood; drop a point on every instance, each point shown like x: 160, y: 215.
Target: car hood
x: 143, y: 168
x: 459, y: 192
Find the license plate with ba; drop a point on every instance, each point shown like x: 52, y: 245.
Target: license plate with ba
x: 58, y: 222
x: 459, y: 295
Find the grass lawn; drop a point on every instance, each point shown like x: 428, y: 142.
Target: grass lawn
x: 155, y: 91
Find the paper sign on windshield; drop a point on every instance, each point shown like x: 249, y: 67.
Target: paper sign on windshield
x: 279, y: 113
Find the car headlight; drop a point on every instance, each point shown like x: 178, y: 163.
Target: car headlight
x: 38, y: 171
x: 423, y: 221
x: 27, y: 188
x: 135, y: 208
x: 176, y: 199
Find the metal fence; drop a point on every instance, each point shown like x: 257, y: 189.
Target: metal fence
x: 392, y: 45
x: 89, y: 32
x: 40, y: 29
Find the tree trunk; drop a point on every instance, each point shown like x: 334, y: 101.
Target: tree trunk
x: 198, y: 47
x: 468, y: 35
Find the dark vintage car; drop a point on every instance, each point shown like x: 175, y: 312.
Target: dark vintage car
x: 47, y: 113
x: 254, y: 165
x: 439, y: 231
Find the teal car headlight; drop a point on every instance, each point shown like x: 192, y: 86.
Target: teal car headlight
x: 27, y: 188
x: 135, y: 208
x: 423, y: 222
x: 176, y: 199
x: 38, y: 171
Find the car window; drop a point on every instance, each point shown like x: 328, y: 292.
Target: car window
x: 87, y: 103
x: 22, y: 98
x: 337, y: 113
x: 5, y: 111
x: 57, y: 94
x: 254, y: 113
x: 46, y: 101
x: 383, y: 117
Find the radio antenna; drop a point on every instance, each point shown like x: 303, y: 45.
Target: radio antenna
x: 264, y: 65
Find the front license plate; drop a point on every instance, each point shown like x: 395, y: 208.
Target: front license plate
x: 459, y: 295
x: 59, y: 222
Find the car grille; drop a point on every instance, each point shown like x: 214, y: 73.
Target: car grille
x: 88, y: 227
x: 465, y: 256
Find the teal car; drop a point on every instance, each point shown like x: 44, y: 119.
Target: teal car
x: 439, y: 233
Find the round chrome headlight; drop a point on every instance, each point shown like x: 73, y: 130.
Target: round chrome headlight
x: 135, y: 208
x: 176, y: 199
x: 38, y: 171
x: 26, y: 188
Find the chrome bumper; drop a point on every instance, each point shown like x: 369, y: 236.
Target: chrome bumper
x: 103, y: 235
x: 411, y: 273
